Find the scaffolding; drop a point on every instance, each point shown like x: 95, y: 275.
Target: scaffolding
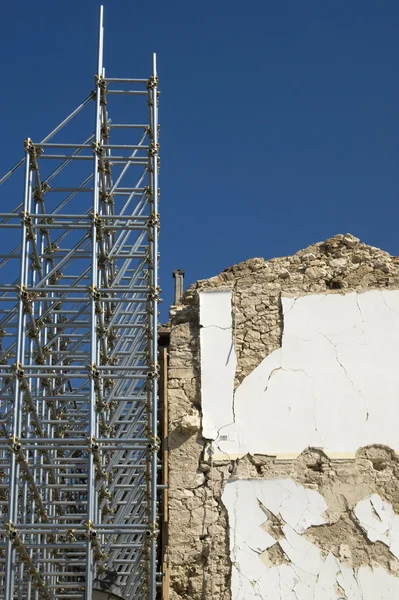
x: 78, y: 357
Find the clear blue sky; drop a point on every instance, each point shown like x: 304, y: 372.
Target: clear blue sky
x: 280, y: 120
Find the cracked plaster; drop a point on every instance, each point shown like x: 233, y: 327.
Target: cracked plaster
x: 218, y: 361
x: 199, y: 532
x: 378, y: 519
x: 330, y: 385
x: 307, y: 573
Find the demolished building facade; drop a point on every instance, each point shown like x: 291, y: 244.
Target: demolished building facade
x: 283, y: 396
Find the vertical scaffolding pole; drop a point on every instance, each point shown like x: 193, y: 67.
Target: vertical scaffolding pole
x: 93, y: 428
x: 154, y: 224
x: 14, y: 480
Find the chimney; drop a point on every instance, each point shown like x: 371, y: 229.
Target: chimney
x: 178, y: 276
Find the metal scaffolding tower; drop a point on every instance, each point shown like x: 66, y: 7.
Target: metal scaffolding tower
x: 78, y: 357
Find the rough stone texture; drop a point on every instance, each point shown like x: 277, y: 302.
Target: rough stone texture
x: 198, y: 534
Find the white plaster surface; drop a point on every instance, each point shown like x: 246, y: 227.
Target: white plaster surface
x: 333, y: 384
x: 378, y: 519
x: 307, y: 574
x: 218, y: 361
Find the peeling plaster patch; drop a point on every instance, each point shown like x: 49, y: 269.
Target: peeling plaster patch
x: 330, y: 385
x: 218, y: 362
x: 307, y: 573
x: 215, y: 309
x: 378, y: 519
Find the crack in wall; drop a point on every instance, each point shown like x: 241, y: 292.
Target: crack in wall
x: 346, y: 373
x: 386, y: 303
x: 216, y: 327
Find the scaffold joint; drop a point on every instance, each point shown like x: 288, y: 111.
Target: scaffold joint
x: 152, y: 82
x: 97, y: 149
x: 154, y: 148
x: 154, y: 293
x: 154, y: 220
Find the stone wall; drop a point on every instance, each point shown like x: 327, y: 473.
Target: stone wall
x: 351, y: 490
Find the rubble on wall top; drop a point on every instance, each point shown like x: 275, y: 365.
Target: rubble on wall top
x: 342, y: 261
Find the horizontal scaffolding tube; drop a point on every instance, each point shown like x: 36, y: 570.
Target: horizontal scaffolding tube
x: 129, y: 92
x: 124, y: 80
x: 90, y: 147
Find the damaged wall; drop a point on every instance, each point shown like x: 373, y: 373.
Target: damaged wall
x: 283, y: 401
x: 331, y: 384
